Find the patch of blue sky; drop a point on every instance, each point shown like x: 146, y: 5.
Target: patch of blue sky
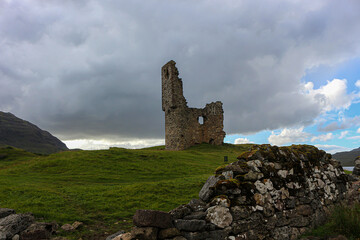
x: 258, y: 138
x: 343, y: 137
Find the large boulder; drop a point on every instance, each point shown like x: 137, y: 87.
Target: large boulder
x: 15, y: 223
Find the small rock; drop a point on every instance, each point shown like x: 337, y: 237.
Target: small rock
x: 197, y: 205
x: 260, y: 187
x: 113, y: 236
x: 125, y: 236
x: 221, y: 201
x: 67, y: 228
x: 228, y: 174
x: 16, y: 237
x: 77, y: 224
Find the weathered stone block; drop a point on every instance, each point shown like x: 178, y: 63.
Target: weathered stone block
x: 144, y: 233
x: 190, y: 225
x: 152, y: 218
x: 180, y: 212
x: 168, y: 233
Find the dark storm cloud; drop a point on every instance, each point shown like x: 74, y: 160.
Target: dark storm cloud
x: 91, y: 69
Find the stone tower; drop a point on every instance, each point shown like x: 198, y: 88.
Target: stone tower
x: 184, y: 126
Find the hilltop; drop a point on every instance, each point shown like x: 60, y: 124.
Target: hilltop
x: 347, y: 158
x: 25, y: 135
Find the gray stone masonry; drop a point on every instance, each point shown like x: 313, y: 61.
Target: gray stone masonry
x: 182, y: 126
x: 270, y: 193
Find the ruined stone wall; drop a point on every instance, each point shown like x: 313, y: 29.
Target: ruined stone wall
x: 269, y: 193
x: 182, y: 127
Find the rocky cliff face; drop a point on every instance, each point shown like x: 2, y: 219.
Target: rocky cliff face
x: 25, y: 135
x: 269, y: 193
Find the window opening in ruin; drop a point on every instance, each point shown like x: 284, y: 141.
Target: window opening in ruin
x: 212, y: 142
x: 201, y: 120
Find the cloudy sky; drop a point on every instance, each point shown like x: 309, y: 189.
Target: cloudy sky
x: 89, y: 71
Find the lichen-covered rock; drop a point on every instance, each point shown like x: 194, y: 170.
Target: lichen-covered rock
x: 219, y: 216
x: 14, y: 224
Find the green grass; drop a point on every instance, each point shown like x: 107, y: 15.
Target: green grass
x: 344, y: 220
x: 104, y: 188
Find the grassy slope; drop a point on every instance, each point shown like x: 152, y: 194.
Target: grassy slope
x: 102, y: 187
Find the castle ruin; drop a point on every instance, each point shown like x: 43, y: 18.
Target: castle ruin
x: 184, y: 126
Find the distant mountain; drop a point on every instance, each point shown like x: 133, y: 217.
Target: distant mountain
x: 25, y: 135
x: 347, y: 158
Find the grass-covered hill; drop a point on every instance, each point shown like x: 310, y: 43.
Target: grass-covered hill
x: 103, y: 188
x: 25, y: 135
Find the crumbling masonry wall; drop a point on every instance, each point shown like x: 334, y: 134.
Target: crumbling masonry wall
x: 270, y: 193
x: 182, y: 126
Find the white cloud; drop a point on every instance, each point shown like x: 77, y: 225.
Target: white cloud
x: 332, y: 96
x: 332, y: 148
x: 343, y: 134
x: 358, y: 131
x: 323, y: 138
x: 289, y: 136
x: 354, y: 138
x: 357, y: 83
x: 343, y: 124
x: 92, y: 144
x: 242, y: 141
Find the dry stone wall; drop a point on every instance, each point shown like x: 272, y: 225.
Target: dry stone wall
x: 269, y: 193
x: 182, y: 126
